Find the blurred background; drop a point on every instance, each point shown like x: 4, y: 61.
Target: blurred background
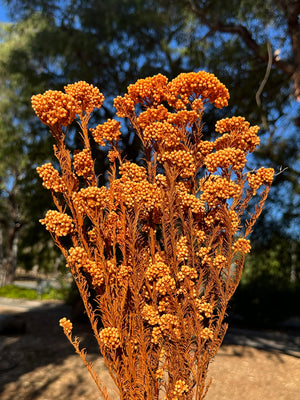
x: 252, y: 46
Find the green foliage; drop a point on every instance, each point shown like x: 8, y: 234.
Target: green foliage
x: 16, y: 292
x: 111, y: 44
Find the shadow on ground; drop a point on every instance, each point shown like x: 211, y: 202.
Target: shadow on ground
x: 40, y: 342
x: 33, y: 339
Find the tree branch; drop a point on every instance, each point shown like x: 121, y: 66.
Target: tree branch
x: 245, y: 35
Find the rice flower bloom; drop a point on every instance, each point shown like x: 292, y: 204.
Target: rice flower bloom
x: 263, y: 176
x: 225, y: 158
x: 58, y: 223
x: 189, y: 86
x: 110, y: 337
x: 242, y: 245
x: 54, y: 107
x: 109, y: 131
x: 66, y: 324
x: 83, y: 164
x: 86, y: 96
x: 180, y: 388
x: 51, y: 178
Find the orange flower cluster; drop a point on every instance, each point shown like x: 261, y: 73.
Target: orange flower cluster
x: 242, y: 245
x: 163, y: 132
x: 182, y: 250
x: 87, y: 96
x: 89, y: 199
x: 83, y: 164
x: 134, y: 190
x: 181, y: 160
x: 157, y: 269
x: 110, y: 337
x: 179, y: 389
x: 109, y: 131
x: 206, y: 334
x: 54, y: 107
x: 187, y: 272
x: 216, y: 189
x: 263, y: 176
x: 152, y: 115
x: 225, y: 158
x: 149, y: 91
x: 157, y: 244
x: 189, y: 86
x: 66, y: 324
x: 58, y: 223
x: 204, y: 308
x: 51, y: 178
x: 77, y: 257
x: 240, y: 135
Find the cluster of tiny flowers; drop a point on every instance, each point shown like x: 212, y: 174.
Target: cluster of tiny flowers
x: 83, y: 164
x: 200, y: 235
x: 151, y: 90
x: 152, y: 115
x: 261, y: 177
x: 95, y: 272
x: 54, y: 107
x: 219, y: 262
x: 150, y: 314
x: 187, y: 272
x: 157, y: 269
x: 204, y: 148
x: 169, y: 325
x: 240, y: 135
x: 124, y: 106
x: 165, y: 285
x: 242, y: 245
x: 58, y: 223
x: 195, y: 84
x: 123, y: 275
x: 90, y: 199
x: 77, y: 257
x: 203, y: 253
x: 110, y: 337
x: 232, y: 124
x: 225, y: 158
x: 189, y: 201
x: 182, y: 160
x: 216, y: 188
x: 51, y: 178
x: 204, y: 308
x: 206, y: 334
x: 162, y: 132
x: 182, y: 250
x: 66, y: 324
x: 133, y: 172
x: 183, y: 119
x: 235, y: 221
x: 109, y: 131
x: 180, y: 388
x: 87, y: 96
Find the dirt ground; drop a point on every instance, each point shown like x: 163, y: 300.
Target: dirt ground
x: 40, y: 364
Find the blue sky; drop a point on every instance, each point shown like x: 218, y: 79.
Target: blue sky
x: 3, y: 16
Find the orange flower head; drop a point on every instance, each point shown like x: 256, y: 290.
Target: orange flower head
x: 109, y: 131
x: 189, y: 86
x: 87, y: 97
x: 58, y: 223
x: 54, y: 107
x: 66, y: 324
x: 51, y: 178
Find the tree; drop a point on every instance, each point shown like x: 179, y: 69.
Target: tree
x: 251, y: 46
